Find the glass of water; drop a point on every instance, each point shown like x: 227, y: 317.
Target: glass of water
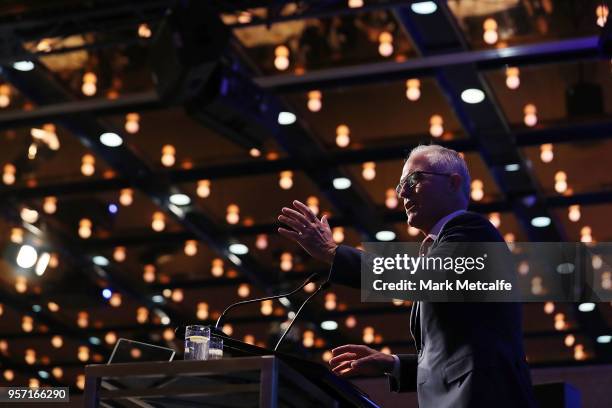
x: 215, y: 348
x: 197, y: 339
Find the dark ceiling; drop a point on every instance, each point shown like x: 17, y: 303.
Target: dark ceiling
x: 215, y: 99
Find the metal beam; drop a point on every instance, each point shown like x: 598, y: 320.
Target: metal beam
x: 427, y: 65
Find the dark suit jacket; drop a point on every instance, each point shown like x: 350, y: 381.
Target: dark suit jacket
x: 472, y: 353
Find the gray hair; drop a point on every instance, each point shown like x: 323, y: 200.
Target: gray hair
x: 445, y: 160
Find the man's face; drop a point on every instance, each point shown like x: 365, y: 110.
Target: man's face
x: 425, y: 202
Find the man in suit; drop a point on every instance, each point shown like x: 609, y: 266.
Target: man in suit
x: 468, y: 354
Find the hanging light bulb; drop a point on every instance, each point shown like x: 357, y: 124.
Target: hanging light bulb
x: 27, y: 324
x: 57, y: 372
x: 436, y: 128
x: 88, y: 165
x: 119, y: 254
x: 50, y: 205
x: 261, y: 242
x: 281, y: 60
x: 30, y: 356
x: 286, y: 180
x: 385, y: 44
x: 585, y: 234
x: 217, y: 267
x: 531, y: 118
x: 391, y: 200
x: 579, y: 353
x: 191, y: 247
x: 549, y: 307
x: 413, y: 232
x: 355, y: 3
x: 560, y: 321
x: 490, y: 35
x: 89, y: 87
x: 57, y: 341
x: 115, y: 300
x: 560, y: 182
x: 574, y: 213
x: 8, y: 175
x: 606, y: 280
x: 83, y: 353
x: 368, y: 171
x: 148, y: 274
x: 254, y: 152
x: 85, y: 228
x: 82, y: 319
x: 569, y: 340
x: 314, y: 101
x: 228, y: 329
x: 368, y: 335
x: 168, y: 155
x: 477, y: 192
x: 126, y: 197
x: 495, y: 219
x: 308, y: 338
x: 244, y: 290
x: 312, y: 202
x: 350, y: 322
x: 5, y: 95
x: 21, y: 284
x: 342, y: 136
x: 546, y: 153
x: 132, y: 123
x: 159, y: 221
x: 177, y: 295
x: 286, y: 261
x: 144, y: 31
x: 202, y: 311
x: 602, y: 12
x: 330, y: 301
x: 512, y: 78
x: 266, y: 307
x: 28, y: 215
x: 233, y: 214
x: 16, y: 235
x: 203, y: 189
x: 338, y: 234
x: 413, y: 89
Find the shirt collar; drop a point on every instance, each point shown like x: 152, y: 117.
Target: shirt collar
x: 435, y: 231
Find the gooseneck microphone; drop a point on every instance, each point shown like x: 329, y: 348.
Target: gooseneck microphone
x: 323, y: 286
x: 311, y: 278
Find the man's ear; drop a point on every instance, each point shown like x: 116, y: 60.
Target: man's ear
x: 455, y: 182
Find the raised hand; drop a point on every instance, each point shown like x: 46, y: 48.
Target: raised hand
x: 358, y: 360
x: 312, y: 234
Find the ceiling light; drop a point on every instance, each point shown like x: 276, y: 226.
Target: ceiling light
x: 100, y: 260
x: 540, y: 222
x: 329, y: 325
x: 180, y: 199
x: 586, y: 307
x: 341, y: 183
x: 107, y: 293
x: 604, y: 339
x: 472, y: 95
x: 239, y: 249
x: 43, y: 262
x: 512, y: 167
x: 286, y: 118
x: 23, y: 66
x: 385, y: 235
x: 26, y: 258
x: 111, y: 139
x: 424, y: 7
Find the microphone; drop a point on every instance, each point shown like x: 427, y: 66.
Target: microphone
x: 323, y: 286
x: 311, y: 278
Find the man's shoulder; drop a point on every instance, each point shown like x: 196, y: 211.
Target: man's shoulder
x: 472, y: 225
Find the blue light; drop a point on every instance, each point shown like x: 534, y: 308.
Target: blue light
x: 95, y: 341
x: 112, y: 208
x: 36, y: 308
x: 106, y: 293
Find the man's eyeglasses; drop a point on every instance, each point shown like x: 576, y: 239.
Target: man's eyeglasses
x: 412, y: 179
